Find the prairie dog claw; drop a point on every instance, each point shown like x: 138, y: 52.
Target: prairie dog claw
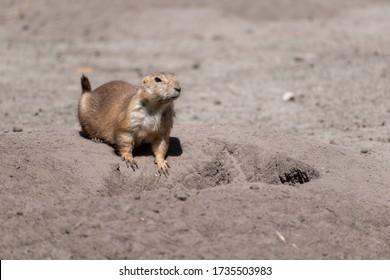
x: 130, y: 162
x: 163, y: 168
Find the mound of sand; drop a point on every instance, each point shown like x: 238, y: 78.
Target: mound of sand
x: 231, y: 193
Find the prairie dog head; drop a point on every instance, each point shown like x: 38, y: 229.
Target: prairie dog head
x: 161, y: 87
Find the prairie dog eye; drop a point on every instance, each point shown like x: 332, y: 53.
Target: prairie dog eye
x: 157, y: 80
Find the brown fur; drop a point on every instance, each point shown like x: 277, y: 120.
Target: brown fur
x: 127, y: 116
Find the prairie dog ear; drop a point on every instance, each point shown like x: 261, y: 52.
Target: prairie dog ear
x: 145, y: 80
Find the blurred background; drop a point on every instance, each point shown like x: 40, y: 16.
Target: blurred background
x: 311, y: 68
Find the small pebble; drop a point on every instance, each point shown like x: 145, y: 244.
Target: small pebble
x: 137, y: 197
x: 364, y: 150
x: 181, y: 196
x: 195, y: 65
x: 254, y: 187
x: 299, y: 59
x: 288, y: 96
x: 17, y: 129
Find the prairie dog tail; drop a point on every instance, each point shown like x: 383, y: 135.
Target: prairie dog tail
x: 85, y: 85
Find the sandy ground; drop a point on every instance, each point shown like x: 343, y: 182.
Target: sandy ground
x: 235, y: 141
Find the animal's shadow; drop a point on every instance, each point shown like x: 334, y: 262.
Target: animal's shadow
x: 174, y: 150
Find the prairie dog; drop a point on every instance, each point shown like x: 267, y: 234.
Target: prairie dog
x: 127, y: 116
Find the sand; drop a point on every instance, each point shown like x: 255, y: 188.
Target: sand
x: 252, y: 176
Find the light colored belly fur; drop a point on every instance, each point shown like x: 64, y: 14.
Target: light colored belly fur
x: 145, y: 125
